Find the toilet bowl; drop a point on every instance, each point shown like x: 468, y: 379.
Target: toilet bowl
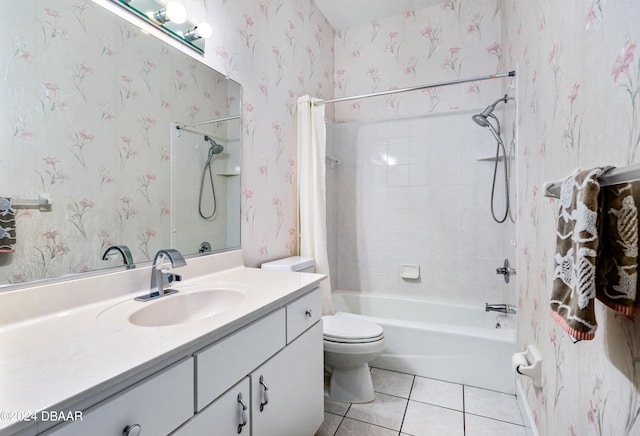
x: 349, y: 345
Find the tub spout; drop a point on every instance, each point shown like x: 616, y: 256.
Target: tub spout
x: 502, y: 308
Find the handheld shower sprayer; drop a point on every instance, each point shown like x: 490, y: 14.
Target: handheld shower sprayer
x: 482, y: 119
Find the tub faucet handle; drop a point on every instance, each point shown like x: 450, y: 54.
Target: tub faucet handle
x: 506, y: 271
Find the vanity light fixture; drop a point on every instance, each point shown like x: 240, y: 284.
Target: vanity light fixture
x: 174, y: 11
x: 171, y: 18
x: 202, y: 30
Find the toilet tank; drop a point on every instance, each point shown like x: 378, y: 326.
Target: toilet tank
x: 293, y: 263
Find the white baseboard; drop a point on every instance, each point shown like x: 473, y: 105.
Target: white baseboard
x: 527, y: 414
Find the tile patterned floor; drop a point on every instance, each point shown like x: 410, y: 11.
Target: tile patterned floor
x: 408, y: 405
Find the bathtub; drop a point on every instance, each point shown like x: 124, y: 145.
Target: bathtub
x: 449, y: 342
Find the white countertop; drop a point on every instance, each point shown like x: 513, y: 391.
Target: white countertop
x: 60, y: 359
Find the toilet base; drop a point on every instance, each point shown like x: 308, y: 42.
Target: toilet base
x: 352, y: 385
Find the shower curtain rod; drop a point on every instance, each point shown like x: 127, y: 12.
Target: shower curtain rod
x: 416, y: 88
x: 217, y: 120
x: 184, y: 129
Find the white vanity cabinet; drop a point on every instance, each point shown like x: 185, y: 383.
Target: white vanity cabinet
x: 154, y: 406
x: 223, y: 388
x: 286, y: 348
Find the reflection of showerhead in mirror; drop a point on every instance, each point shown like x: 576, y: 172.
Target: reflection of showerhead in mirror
x: 215, y: 147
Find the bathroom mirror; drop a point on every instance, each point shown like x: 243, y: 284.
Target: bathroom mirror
x: 89, y: 116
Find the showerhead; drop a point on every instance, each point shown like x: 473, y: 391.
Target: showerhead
x: 215, y: 147
x: 480, y: 120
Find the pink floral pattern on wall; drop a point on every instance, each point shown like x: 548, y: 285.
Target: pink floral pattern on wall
x: 454, y: 40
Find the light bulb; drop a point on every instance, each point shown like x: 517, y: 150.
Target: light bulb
x: 176, y: 12
x: 204, y: 30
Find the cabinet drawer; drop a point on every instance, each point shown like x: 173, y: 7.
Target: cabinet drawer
x: 303, y: 313
x: 224, y: 363
x: 158, y: 405
x: 224, y: 416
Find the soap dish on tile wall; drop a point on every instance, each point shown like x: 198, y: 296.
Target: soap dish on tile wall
x: 410, y: 272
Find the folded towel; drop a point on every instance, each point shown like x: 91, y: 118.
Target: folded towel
x: 7, y: 225
x: 617, y: 264
x: 574, y: 284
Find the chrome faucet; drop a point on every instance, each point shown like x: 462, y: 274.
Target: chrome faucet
x: 502, y: 308
x: 124, y: 251
x: 163, y: 277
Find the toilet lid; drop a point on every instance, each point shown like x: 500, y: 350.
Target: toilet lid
x: 348, y: 329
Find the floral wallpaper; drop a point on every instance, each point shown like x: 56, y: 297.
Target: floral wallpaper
x: 578, y: 78
x: 89, y: 102
x: 449, y: 41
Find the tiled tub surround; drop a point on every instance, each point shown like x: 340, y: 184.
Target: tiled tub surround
x: 417, y: 406
x: 414, y: 191
x: 452, y: 342
x: 59, y: 356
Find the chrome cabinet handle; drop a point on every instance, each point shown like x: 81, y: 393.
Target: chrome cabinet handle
x: 309, y: 313
x: 265, y: 396
x: 132, y: 430
x: 243, y: 413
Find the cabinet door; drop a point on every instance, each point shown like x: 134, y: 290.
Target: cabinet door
x: 293, y: 383
x: 155, y: 406
x: 226, y: 416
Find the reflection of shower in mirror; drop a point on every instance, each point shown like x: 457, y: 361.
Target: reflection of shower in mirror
x: 214, y: 149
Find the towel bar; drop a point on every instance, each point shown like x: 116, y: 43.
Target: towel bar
x: 629, y: 173
x: 43, y: 203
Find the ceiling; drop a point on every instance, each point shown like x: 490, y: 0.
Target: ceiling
x: 344, y: 13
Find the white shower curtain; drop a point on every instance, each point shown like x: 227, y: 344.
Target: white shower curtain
x: 312, y: 201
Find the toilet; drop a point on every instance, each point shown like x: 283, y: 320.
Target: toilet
x: 350, y: 343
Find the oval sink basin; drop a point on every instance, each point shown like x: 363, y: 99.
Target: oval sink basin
x: 182, y: 308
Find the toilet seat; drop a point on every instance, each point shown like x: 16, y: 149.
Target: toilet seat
x: 348, y: 330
